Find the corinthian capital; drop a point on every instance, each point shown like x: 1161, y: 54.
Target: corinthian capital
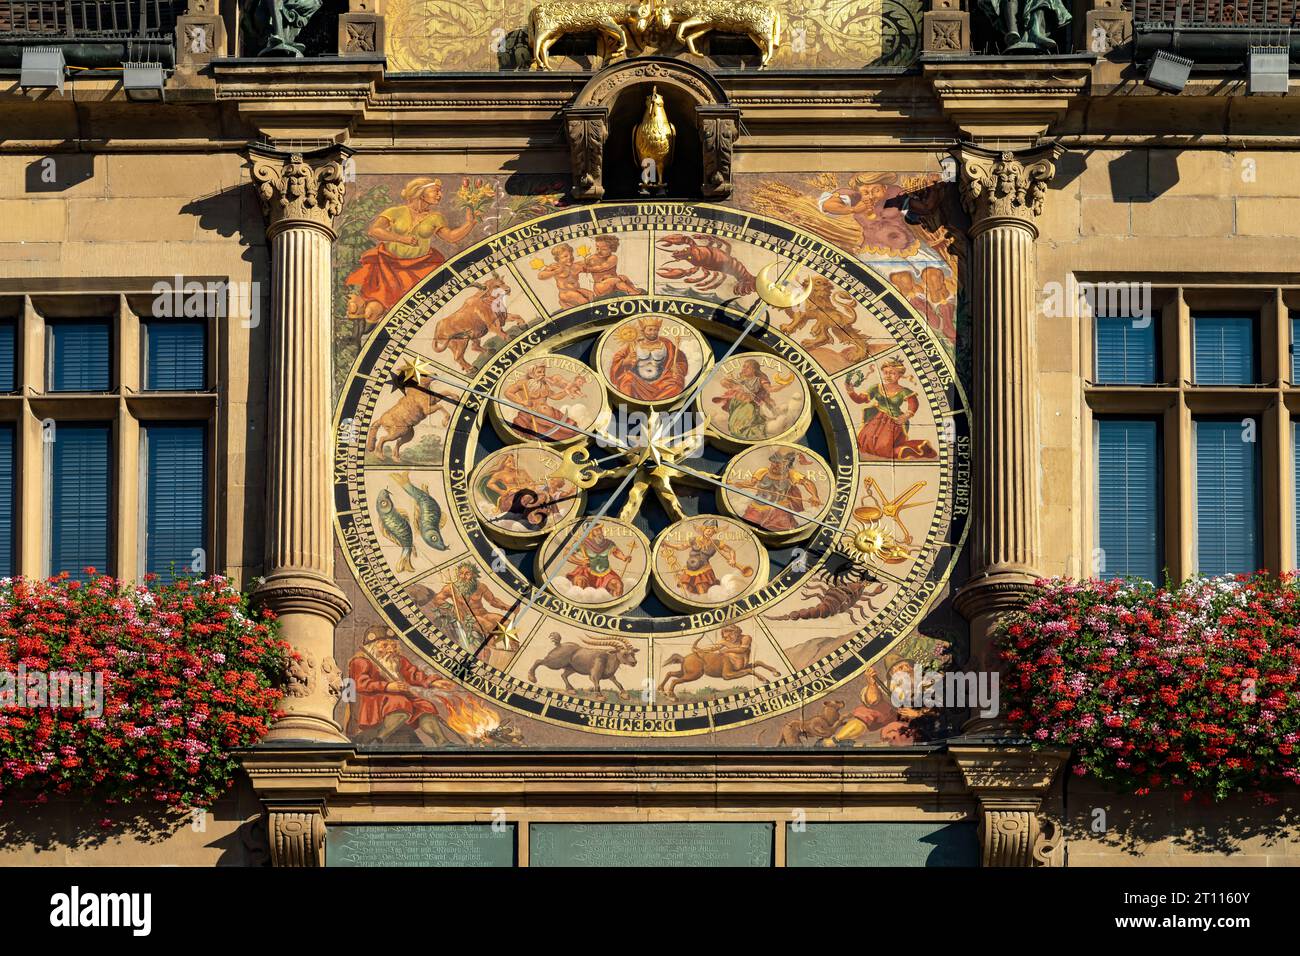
x: 298, y: 189
x: 1005, y: 186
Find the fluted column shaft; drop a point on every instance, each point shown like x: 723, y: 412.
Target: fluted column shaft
x: 1004, y: 193
x: 1005, y: 536
x: 301, y: 196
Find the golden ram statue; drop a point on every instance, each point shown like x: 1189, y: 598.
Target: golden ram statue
x: 547, y: 22
x: 761, y: 22
x: 621, y: 22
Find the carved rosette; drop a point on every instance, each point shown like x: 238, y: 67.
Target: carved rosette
x: 586, y: 128
x: 1005, y: 187
x: 719, y: 126
x: 297, y: 837
x: 297, y: 191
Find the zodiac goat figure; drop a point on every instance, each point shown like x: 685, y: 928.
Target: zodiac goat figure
x: 761, y: 22
x: 547, y: 22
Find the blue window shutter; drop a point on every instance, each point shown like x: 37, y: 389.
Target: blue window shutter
x: 174, y: 355
x: 1295, y: 351
x: 80, y: 499
x: 1126, y: 350
x: 1129, y: 498
x: 8, y: 354
x: 1224, y: 349
x: 1227, y: 498
x: 6, y: 501
x: 177, y: 499
x: 1295, y: 486
x: 79, y: 356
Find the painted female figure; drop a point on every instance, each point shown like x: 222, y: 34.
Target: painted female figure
x: 744, y: 399
x: 404, y: 253
x: 885, y: 421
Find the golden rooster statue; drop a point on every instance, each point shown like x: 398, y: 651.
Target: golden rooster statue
x: 652, y: 142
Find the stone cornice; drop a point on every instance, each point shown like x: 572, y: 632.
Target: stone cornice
x: 1015, y: 101
x: 937, y: 778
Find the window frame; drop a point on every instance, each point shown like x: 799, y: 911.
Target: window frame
x: 124, y: 408
x: 1177, y: 400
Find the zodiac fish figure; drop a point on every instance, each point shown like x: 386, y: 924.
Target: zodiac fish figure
x: 429, y: 516
x: 397, y: 529
x: 653, y: 142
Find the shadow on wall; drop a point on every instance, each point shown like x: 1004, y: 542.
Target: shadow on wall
x: 64, y: 832
x: 1104, y: 826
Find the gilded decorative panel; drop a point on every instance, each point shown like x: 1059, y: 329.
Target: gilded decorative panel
x: 491, y: 35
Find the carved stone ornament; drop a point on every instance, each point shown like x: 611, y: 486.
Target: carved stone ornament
x: 307, y: 675
x: 297, y: 837
x: 998, y: 187
x: 297, y: 191
x: 586, y: 128
x: 719, y: 126
x: 946, y: 31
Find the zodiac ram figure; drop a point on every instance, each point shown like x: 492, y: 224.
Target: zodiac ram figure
x: 557, y: 18
x: 761, y: 22
x: 622, y: 22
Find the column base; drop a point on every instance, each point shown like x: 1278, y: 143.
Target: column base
x: 309, y: 607
x: 987, y: 598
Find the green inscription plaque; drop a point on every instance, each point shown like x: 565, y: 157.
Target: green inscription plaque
x: 434, y: 844
x: 650, y: 844
x: 882, y: 844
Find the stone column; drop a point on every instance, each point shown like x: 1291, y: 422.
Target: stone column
x: 301, y: 196
x: 1004, y: 193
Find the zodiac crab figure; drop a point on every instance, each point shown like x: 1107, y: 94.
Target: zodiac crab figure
x: 708, y: 263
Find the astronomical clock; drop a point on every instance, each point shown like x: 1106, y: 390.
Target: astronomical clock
x: 652, y: 469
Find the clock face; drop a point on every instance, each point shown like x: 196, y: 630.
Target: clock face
x: 652, y: 469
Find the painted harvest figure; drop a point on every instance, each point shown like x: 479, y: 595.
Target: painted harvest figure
x: 887, y: 417
x: 404, y: 252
